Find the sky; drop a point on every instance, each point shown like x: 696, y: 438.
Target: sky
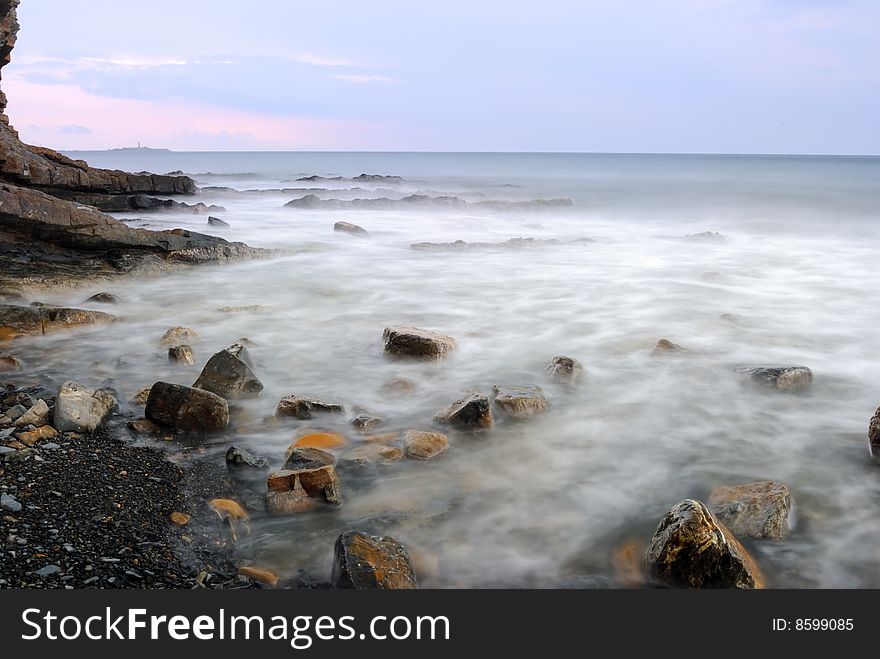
x: 704, y: 76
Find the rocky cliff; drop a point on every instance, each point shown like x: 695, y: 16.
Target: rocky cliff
x: 50, y: 230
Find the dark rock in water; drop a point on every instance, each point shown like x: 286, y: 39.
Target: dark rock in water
x: 306, y: 201
x: 9, y: 363
x: 469, y: 413
x: 416, y: 343
x: 423, y: 445
x: 783, y: 378
x: 874, y: 435
x: 363, y: 561
x: 21, y: 321
x: 305, y: 406
x: 182, y: 354
x: 666, y: 347
x: 144, y: 427
x: 377, y: 178
x: 229, y: 373
x: 366, y: 422
x: 216, y: 222
x: 348, y: 227
x: 519, y: 402
x: 565, y: 369
x: 104, y: 298
x: 239, y: 458
x: 186, y: 408
x: 692, y: 549
x: 123, y: 203
x: 308, y: 479
x: 755, y: 510
x: 81, y: 409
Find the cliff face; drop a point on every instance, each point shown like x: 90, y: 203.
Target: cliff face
x: 48, y: 233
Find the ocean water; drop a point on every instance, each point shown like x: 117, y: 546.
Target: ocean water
x: 790, y: 278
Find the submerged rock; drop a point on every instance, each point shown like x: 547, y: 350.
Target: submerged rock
x: 783, y: 378
x: 239, y: 458
x: 229, y: 374
x: 371, y: 454
x: 104, y: 298
x: 186, y: 408
x: 423, y: 445
x: 565, y: 369
x: 513, y: 243
x: 519, y: 402
x: 217, y: 222
x: 363, y: 561
x: 81, y: 409
x: 182, y: 354
x: 666, y: 347
x: 416, y: 343
x: 692, y: 549
x: 472, y: 412
x: 22, y: 321
x: 398, y: 387
x: 178, y: 335
x: 308, y: 479
x: 366, y: 421
x: 756, y: 510
x: 9, y: 363
x: 305, y: 406
x: 348, y: 227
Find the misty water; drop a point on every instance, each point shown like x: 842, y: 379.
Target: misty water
x: 790, y: 280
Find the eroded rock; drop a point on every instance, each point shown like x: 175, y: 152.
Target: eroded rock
x: 472, y: 412
x: 415, y: 343
x: 186, y: 408
x: 519, y: 402
x: 82, y: 409
x: 305, y: 406
x: 364, y: 561
x: 229, y: 374
x: 565, y: 369
x: 756, y: 510
x: 307, y: 480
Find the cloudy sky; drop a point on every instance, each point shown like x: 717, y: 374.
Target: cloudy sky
x: 742, y: 76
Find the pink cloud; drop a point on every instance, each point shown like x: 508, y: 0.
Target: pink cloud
x: 41, y: 112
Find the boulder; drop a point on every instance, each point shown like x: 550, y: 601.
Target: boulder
x: 37, y: 415
x: 782, y: 378
x: 9, y: 363
x: 81, y: 409
x: 305, y: 406
x: 692, y: 549
x: 182, y: 354
x: 565, y: 369
x: 229, y: 374
x: 104, y: 298
x: 371, y: 454
x: 186, y: 408
x: 348, y: 227
x: 755, y: 510
x: 363, y: 561
x: 307, y: 480
x: 472, y: 412
x: 415, y: 343
x: 177, y: 336
x: 519, y: 402
x: 665, y: 347
x: 423, y: 445
x: 217, y: 222
x: 22, y: 321
x: 238, y: 458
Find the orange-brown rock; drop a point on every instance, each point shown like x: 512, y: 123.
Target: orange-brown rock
x: 628, y: 566
x: 9, y: 363
x: 18, y: 321
x: 371, y: 454
x: 307, y: 480
x: 322, y: 440
x: 260, y: 575
x: 423, y: 445
x: 178, y: 335
x: 363, y: 561
x: 36, y: 435
x: 519, y: 402
x: 756, y: 510
x: 181, y: 519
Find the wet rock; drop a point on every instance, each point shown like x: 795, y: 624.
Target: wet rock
x: 305, y: 406
x: 37, y: 415
x: 32, y: 437
x: 259, y: 575
x: 217, y: 222
x: 363, y: 561
x: 9, y: 363
x: 182, y: 354
x: 144, y: 427
x: 666, y: 347
x: 565, y: 369
x: 21, y: 321
x: 371, y: 454
x: 398, y: 387
x: 308, y: 438
x: 348, y: 227
x: 782, y: 378
x: 366, y: 422
x: 307, y: 480
x: 423, y: 445
x: 873, y: 435
x: 756, y: 510
x: 469, y: 413
x: 104, y: 298
x: 140, y: 398
x: 178, y: 335
x: 186, y: 408
x: 239, y: 458
x: 692, y: 549
x: 415, y: 343
x: 81, y: 409
x: 519, y: 402
x: 229, y: 374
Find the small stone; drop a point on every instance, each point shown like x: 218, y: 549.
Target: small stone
x: 140, y: 398
x: 308, y: 478
x: 423, y: 445
x: 144, y: 427
x: 469, y: 413
x: 179, y: 336
x: 305, y: 406
x: 348, y: 227
x: 104, y: 298
x: 16, y: 412
x: 9, y: 504
x: 34, y: 436
x: 181, y: 519
x: 9, y: 363
x: 37, y: 415
x: 366, y: 422
x: 186, y: 408
x: 217, y: 222
x: 565, y: 369
x: 229, y: 374
x: 259, y: 575
x: 50, y: 446
x: 519, y: 402
x: 416, y: 343
x: 237, y: 458
x: 369, y: 454
x: 782, y: 378
x: 48, y: 571
x: 81, y: 409
x: 756, y: 510
x: 364, y: 561
x: 182, y: 354
x: 692, y: 549
x: 665, y: 347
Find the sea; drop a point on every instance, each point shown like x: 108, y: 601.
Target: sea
x: 743, y: 260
